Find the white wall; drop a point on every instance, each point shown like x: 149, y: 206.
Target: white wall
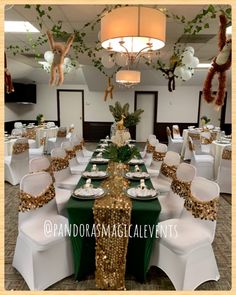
x: 179, y: 106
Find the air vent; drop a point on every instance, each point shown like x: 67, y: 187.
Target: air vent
x: 198, y: 38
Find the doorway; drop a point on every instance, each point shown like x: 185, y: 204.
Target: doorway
x: 146, y: 100
x: 70, y: 109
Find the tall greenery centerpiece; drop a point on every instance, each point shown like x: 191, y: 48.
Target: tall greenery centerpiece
x: 131, y: 119
x: 40, y: 119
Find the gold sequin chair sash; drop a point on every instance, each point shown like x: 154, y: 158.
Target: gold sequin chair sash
x: 61, y: 133
x: 43, y: 140
x: 20, y: 148
x: 58, y: 164
x: 181, y: 188
x: 214, y: 135
x: 194, y: 136
x: 30, y: 133
x: 205, y: 140
x: 70, y: 154
x: 168, y: 170
x: 29, y: 202
x: 78, y: 147
x: 150, y: 148
x: 158, y: 156
x: 206, y: 210
x: 226, y: 155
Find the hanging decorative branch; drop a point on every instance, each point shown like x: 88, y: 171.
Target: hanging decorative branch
x: 109, y: 90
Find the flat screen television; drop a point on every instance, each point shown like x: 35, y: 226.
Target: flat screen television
x: 23, y: 94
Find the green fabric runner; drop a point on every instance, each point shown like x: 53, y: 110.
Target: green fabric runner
x: 139, y: 249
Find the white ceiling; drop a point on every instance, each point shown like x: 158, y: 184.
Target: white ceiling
x: 74, y: 17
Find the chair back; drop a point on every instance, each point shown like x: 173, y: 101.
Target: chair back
x: 39, y: 164
x: 207, y: 192
x: 35, y: 184
x: 17, y: 132
x: 61, y: 136
x: 172, y: 158
x: 67, y: 145
x: 226, y: 157
x: 58, y: 153
x: 186, y: 172
x: 175, y: 131
x: 20, y: 158
x: 161, y: 148
x: 59, y: 164
x: 50, y: 124
x: 18, y: 125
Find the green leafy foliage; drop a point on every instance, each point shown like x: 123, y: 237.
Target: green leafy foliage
x: 120, y: 154
x: 131, y: 119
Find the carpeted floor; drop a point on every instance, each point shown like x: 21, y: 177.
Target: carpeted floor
x: 156, y: 279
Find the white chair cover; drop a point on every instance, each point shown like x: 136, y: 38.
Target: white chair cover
x: 185, y: 254
x: 17, y: 165
x: 18, y: 125
x: 204, y: 163
x: 64, y: 178
x: 174, y: 145
x: 172, y: 204
x: 56, y: 141
x: 42, y: 259
x: 206, y: 142
x: 155, y: 166
x: 176, y: 132
x: 224, y: 177
x: 162, y: 182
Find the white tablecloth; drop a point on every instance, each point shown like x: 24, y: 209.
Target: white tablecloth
x: 216, y: 151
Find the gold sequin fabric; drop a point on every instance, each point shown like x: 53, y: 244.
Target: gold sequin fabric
x: 78, y: 147
x: 71, y: 129
x: 205, y: 140
x: 168, y: 170
x: 194, y: 136
x: 58, y: 164
x: 206, y: 210
x: 30, y: 133
x: 181, y: 188
x: 191, y: 146
x: 70, y: 154
x: 213, y: 135
x: 20, y: 148
x: 226, y: 155
x: 61, y: 133
x: 158, y: 156
x: 112, y: 212
x: 43, y: 141
x: 29, y: 202
x: 150, y: 148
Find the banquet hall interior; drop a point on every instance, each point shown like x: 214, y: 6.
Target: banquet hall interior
x: 117, y: 147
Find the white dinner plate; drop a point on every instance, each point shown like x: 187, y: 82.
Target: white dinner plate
x: 137, y: 175
x: 141, y: 195
x: 95, y: 174
x: 99, y: 150
x: 88, y: 194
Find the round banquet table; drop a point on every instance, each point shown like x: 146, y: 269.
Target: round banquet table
x: 216, y: 150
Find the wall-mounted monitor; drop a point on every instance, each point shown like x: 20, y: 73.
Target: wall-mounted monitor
x: 23, y: 94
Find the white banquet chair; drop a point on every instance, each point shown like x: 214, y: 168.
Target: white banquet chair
x: 176, y: 132
x: 172, y: 204
x: 206, y: 142
x: 224, y: 177
x: 17, y: 132
x: 18, y: 125
x: 157, y: 159
x: 17, y: 165
x: 75, y: 166
x: 204, y: 163
x: 36, y: 152
x: 62, y: 195
x: 185, y: 254
x: 149, y: 148
x: 42, y: 259
x: 174, y: 144
x: 78, y: 147
x: 167, y: 172
x: 70, y: 131
x: 61, y: 170
x: 54, y: 142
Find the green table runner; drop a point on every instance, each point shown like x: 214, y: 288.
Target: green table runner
x: 80, y: 213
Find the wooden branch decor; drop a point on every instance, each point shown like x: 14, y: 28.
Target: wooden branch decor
x: 109, y: 90
x: 220, y: 64
x: 8, y: 81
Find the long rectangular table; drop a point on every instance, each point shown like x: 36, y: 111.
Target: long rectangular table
x: 139, y: 249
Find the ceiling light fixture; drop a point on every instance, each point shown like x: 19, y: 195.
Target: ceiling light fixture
x: 128, y: 78
x: 19, y: 27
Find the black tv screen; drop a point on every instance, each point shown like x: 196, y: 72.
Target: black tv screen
x: 24, y: 94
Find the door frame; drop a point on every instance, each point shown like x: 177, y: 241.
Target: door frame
x: 155, y: 93
x: 223, y: 109
x: 58, y: 105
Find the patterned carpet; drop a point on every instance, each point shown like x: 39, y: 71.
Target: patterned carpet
x: 156, y: 279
